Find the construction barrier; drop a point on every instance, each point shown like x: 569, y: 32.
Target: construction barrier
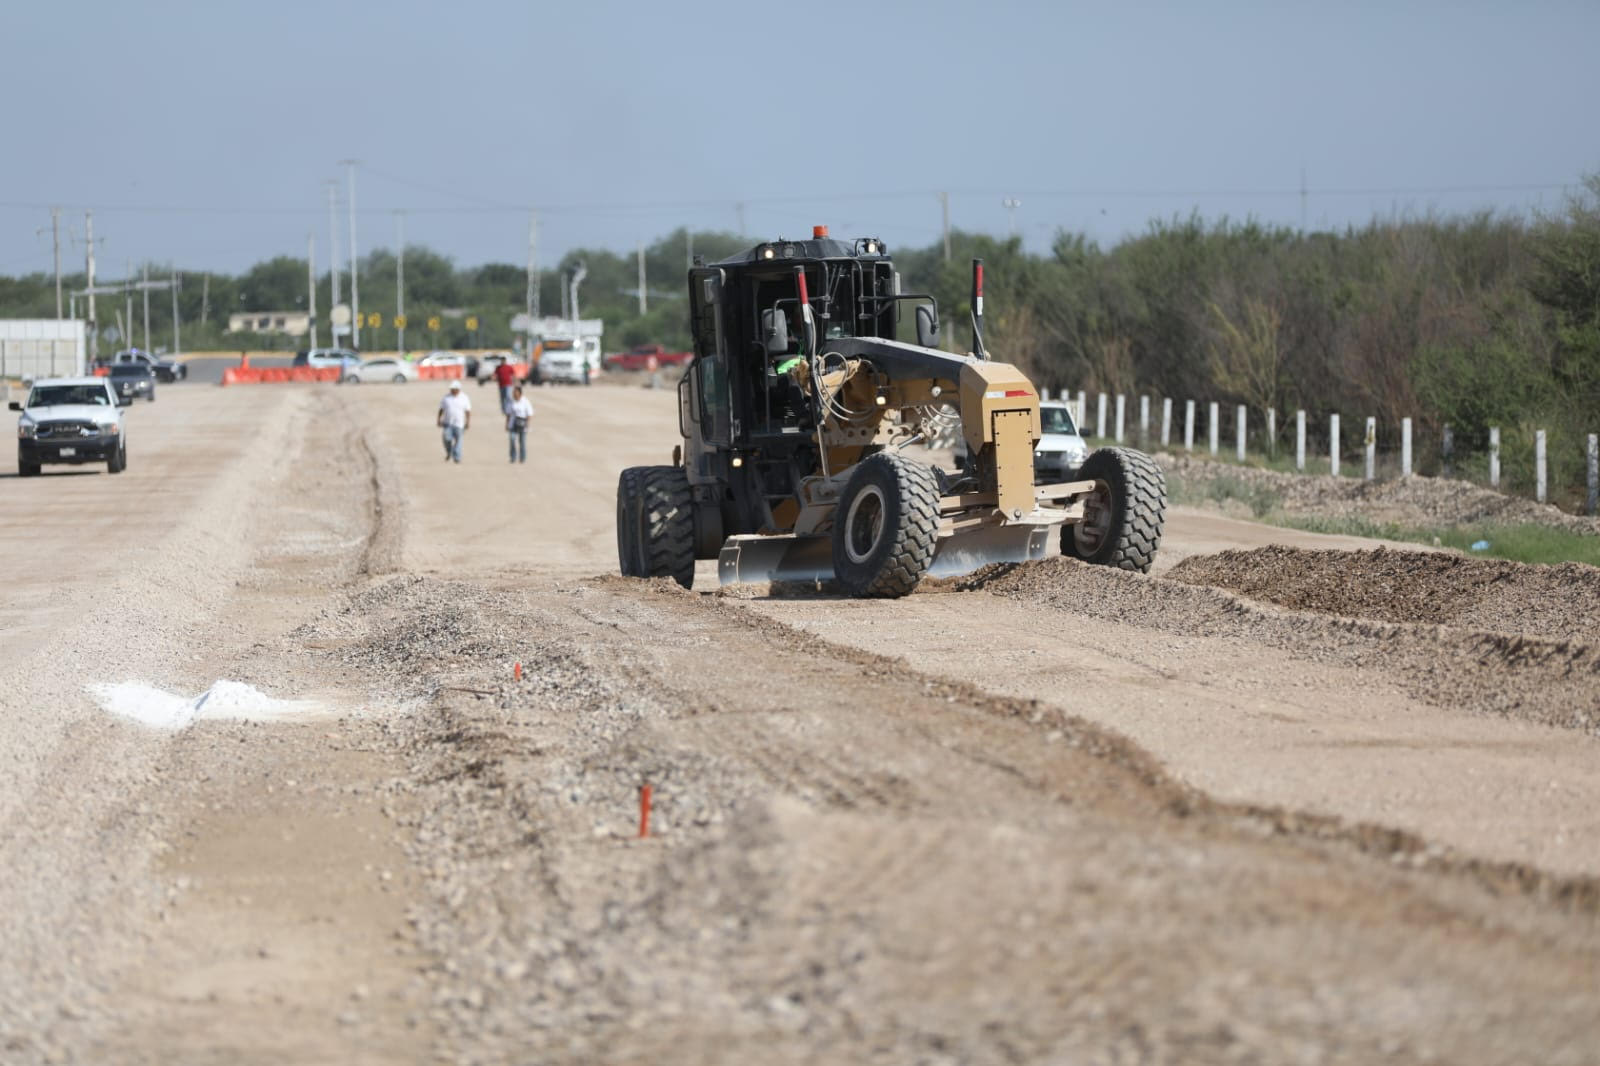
x: 271, y: 375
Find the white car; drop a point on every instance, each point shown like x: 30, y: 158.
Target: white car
x: 396, y: 370
x: 322, y: 358
x: 71, y: 420
x: 454, y: 359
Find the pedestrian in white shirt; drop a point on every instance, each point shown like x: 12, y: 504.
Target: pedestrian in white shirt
x: 455, y: 418
x: 518, y: 411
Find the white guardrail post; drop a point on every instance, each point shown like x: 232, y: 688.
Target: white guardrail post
x: 1144, y: 422
x: 1211, y: 425
x: 1122, y: 403
x: 1333, y: 445
x: 1405, y: 447
x: 1540, y: 488
x: 1166, y: 421
x: 1594, y: 473
x: 1494, y: 457
x: 1272, y: 432
x: 1372, y: 448
x: 1100, y: 418
x: 1083, y: 409
x: 1239, y: 429
x: 1188, y: 425
x: 1300, y: 440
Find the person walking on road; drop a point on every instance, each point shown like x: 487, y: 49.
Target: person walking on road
x: 455, y: 418
x: 504, y: 375
x: 518, y: 411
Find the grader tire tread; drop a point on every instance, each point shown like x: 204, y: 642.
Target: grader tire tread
x: 911, y: 551
x: 667, y: 509
x: 629, y: 559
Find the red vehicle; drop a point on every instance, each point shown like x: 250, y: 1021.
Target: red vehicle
x: 638, y: 358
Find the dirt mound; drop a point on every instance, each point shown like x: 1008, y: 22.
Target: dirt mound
x: 1415, y: 501
x: 1553, y: 602
x: 1552, y: 682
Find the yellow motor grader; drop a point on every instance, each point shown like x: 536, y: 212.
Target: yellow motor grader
x: 798, y: 413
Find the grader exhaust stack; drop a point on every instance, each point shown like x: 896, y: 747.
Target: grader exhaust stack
x: 801, y: 414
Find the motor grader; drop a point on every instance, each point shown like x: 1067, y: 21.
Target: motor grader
x: 798, y: 415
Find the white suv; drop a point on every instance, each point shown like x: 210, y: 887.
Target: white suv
x: 71, y: 420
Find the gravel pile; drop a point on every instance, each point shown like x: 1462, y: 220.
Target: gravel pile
x: 1550, y: 602
x: 1416, y: 501
x: 1550, y: 681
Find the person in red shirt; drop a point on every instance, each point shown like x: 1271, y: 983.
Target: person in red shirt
x: 504, y: 375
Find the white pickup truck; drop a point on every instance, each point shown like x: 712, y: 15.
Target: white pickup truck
x: 71, y: 420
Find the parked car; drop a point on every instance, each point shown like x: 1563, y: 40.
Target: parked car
x: 71, y: 420
x: 384, y: 369
x: 638, y: 358
x: 455, y: 359
x: 1061, y: 450
x: 166, y: 370
x: 321, y: 358
x: 134, y: 381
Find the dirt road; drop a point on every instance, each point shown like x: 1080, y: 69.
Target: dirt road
x: 1060, y: 814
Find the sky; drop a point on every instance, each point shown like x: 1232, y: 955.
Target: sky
x: 204, y: 135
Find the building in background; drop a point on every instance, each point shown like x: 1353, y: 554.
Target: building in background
x: 291, y: 323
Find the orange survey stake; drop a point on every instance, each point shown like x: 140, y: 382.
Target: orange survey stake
x: 644, y: 811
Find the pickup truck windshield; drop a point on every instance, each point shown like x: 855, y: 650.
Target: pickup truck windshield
x: 1057, y: 420
x: 58, y: 395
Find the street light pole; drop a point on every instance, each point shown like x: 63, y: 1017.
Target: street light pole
x: 400, y: 282
x: 355, y: 282
x: 1011, y: 204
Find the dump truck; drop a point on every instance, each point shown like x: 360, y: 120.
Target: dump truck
x: 798, y: 414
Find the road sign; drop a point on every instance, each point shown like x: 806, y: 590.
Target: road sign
x: 340, y: 315
x: 374, y: 319
x: 433, y: 323
x: 399, y: 321
x: 472, y: 321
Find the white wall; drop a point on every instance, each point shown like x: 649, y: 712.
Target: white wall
x: 42, y: 348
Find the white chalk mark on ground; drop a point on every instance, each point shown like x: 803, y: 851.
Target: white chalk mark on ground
x: 159, y: 709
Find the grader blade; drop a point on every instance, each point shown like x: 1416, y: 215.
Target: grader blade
x: 756, y: 559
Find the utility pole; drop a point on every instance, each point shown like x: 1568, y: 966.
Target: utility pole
x: 644, y: 303
x: 738, y: 209
x: 1011, y: 203
x: 88, y: 240
x: 1302, y: 199
x: 311, y: 284
x: 125, y: 328
x: 400, y: 282
x: 944, y: 209
x: 533, y: 270
x: 205, y: 298
x: 144, y: 281
x: 177, y: 327
x: 355, y: 283
x: 55, y: 239
x: 333, y: 257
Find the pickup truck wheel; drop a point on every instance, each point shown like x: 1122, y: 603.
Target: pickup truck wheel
x: 399, y: 379
x: 118, y: 461
x: 351, y: 379
x: 27, y: 469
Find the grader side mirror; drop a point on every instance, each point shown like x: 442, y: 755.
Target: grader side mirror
x: 774, y: 332
x: 927, y: 327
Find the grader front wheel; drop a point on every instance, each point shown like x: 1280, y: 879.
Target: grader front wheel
x: 1122, y: 521
x: 885, y: 526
